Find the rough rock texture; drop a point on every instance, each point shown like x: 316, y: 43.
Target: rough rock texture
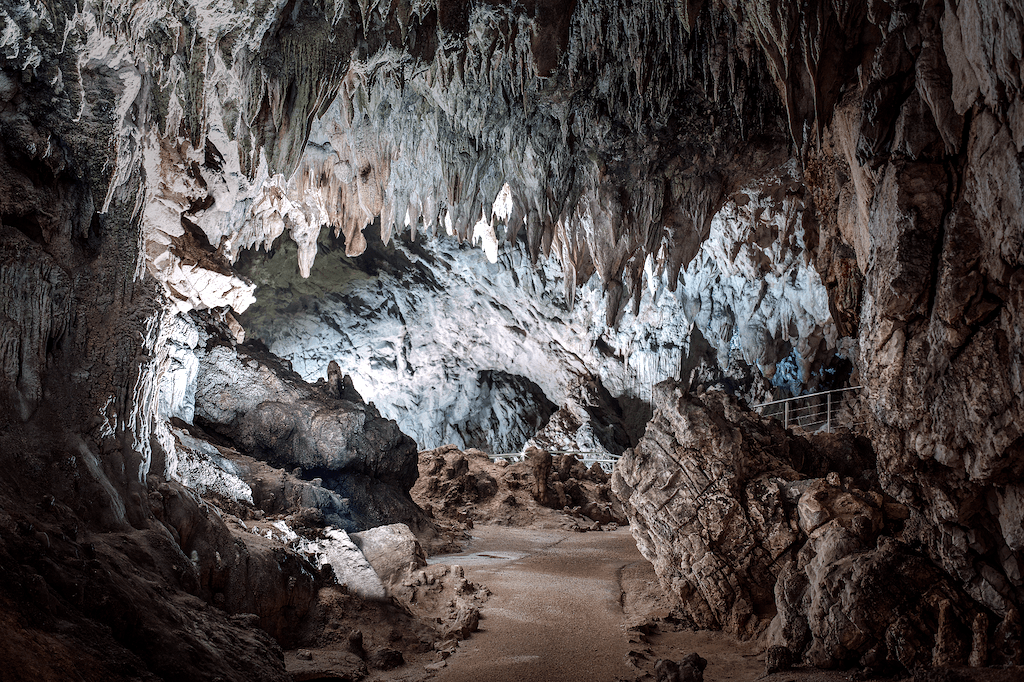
x: 705, y: 495
x: 426, y: 328
x: 438, y: 592
x: 718, y: 501
x: 145, y: 143
x: 392, y: 550
x: 230, y: 476
x: 102, y: 605
x: 350, y: 566
x: 589, y: 425
x: 918, y: 183
x: 689, y: 669
x: 271, y: 414
x: 467, y: 487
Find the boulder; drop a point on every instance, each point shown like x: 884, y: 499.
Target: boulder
x: 392, y: 550
x: 744, y: 542
x: 350, y: 566
x: 706, y: 495
x: 362, y: 464
x: 845, y: 602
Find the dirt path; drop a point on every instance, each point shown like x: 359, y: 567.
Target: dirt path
x: 560, y: 606
x: 555, y: 614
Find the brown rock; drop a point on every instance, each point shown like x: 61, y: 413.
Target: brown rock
x: 705, y: 493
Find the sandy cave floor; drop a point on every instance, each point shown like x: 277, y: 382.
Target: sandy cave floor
x: 561, y: 609
x: 569, y: 606
x: 555, y: 613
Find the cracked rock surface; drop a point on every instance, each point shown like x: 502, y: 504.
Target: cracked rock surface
x: 743, y: 540
x: 768, y: 181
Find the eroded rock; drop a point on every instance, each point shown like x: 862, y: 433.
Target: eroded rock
x: 363, y: 461
x: 467, y: 487
x: 705, y: 492
x: 745, y: 542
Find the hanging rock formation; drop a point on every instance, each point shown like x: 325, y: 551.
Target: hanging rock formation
x: 702, y: 152
x: 426, y: 328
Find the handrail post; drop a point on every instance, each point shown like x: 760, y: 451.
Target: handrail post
x: 785, y: 420
x: 828, y: 412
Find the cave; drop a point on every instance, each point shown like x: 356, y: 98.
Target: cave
x: 294, y: 293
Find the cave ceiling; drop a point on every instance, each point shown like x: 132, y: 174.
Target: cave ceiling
x: 147, y: 145
x: 599, y: 139
x: 619, y: 129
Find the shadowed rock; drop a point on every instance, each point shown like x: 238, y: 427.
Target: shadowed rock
x: 746, y: 543
x: 270, y: 413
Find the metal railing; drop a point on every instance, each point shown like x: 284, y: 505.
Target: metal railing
x: 816, y: 411
x: 606, y: 463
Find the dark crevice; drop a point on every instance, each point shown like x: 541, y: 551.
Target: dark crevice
x: 28, y: 225
x: 954, y: 167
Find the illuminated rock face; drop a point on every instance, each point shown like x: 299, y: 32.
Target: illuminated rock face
x: 665, y: 148
x: 423, y: 326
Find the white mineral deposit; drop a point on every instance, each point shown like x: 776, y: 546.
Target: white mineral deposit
x: 601, y: 340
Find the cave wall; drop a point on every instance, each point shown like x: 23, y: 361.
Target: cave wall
x: 415, y: 323
x: 79, y: 325
x: 918, y: 180
x: 145, y: 144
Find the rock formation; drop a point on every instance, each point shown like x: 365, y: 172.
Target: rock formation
x: 749, y: 165
x: 434, y: 592
x: 407, y: 319
x: 748, y: 533
x: 464, y: 488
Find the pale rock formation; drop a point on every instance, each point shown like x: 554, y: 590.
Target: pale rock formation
x: 392, y: 550
x: 202, y: 467
x: 351, y: 567
x: 588, y: 423
x: 177, y: 397
x: 422, y: 327
x: 192, y: 457
x: 349, y: 462
x: 435, y: 592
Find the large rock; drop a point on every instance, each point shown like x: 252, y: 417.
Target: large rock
x: 589, y: 423
x: 705, y: 495
x: 467, y: 487
x: 342, y: 444
x: 923, y: 258
x: 845, y: 602
x: 392, y: 550
x: 252, y: 396
x: 351, y: 567
x: 239, y: 571
x: 744, y: 542
x: 436, y: 593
